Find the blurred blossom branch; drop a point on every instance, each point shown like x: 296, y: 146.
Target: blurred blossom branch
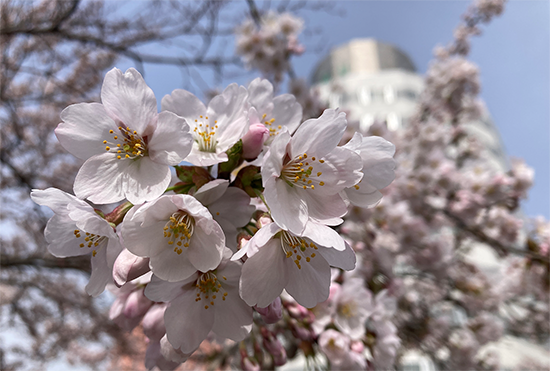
x: 370, y: 265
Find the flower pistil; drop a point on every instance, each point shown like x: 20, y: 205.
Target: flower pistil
x: 298, y: 246
x: 179, y: 230
x: 301, y: 172
x: 129, y: 144
x: 209, y: 288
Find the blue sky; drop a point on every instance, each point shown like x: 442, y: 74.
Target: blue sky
x: 513, y: 55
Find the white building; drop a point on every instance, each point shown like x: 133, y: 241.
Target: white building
x: 374, y: 81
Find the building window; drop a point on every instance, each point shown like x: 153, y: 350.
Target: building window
x: 407, y: 94
x: 393, y: 121
x: 364, y: 95
x: 389, y: 94
x: 366, y: 121
x: 377, y: 94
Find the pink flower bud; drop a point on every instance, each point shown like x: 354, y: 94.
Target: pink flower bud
x: 300, y: 331
x: 273, y: 312
x: 128, y: 267
x: 274, y: 347
x: 249, y: 364
x: 253, y: 141
x: 136, y: 304
x: 279, y: 359
x: 297, y: 311
x: 153, y: 322
x: 357, y: 346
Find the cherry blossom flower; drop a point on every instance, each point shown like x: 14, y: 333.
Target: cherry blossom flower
x: 278, y: 259
x: 215, y: 128
x: 352, y: 307
x: 177, y: 233
x: 202, y: 303
x: 338, y: 348
x: 229, y: 206
x: 304, y: 174
x: 130, y: 305
x: 76, y: 229
x: 128, y: 146
x: 279, y: 113
x: 268, y: 46
x: 378, y: 169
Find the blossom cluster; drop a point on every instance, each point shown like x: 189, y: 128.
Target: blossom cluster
x: 248, y: 213
x: 268, y: 43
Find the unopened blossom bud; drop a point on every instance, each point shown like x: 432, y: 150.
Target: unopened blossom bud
x: 357, y: 346
x: 300, y: 331
x: 117, y: 215
x: 153, y: 322
x: 136, y: 304
x: 272, y: 313
x: 280, y: 359
x: 253, y: 141
x: 264, y: 220
x: 273, y: 347
x: 248, y: 363
x: 297, y: 311
x: 128, y: 267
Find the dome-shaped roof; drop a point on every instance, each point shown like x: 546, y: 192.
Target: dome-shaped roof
x: 361, y: 56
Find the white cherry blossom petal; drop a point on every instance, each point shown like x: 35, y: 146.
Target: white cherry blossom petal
x: 170, y: 266
x: 163, y: 291
x: 260, y: 95
x: 287, y: 111
x: 319, y: 136
x: 100, y: 179
x: 345, y: 259
x: 145, y: 180
x: 206, y: 252
x: 229, y: 108
x: 60, y: 235
x: 324, y: 236
x: 171, y: 141
x: 310, y: 284
x: 188, y: 322
x: 288, y: 209
x: 264, y: 275
x: 127, y: 97
x: 233, y: 315
x: 273, y: 160
x: 211, y: 191
x: 101, y: 271
x: 84, y: 127
x: 184, y: 104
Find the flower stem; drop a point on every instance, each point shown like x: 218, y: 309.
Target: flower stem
x: 261, y: 196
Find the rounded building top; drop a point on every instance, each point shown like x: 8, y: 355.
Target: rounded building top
x: 361, y: 56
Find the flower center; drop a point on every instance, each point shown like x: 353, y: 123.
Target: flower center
x: 301, y: 172
x: 179, y: 230
x: 91, y: 240
x: 297, y: 248
x: 348, y: 309
x: 205, y: 134
x: 209, y: 288
x: 127, y: 144
x: 273, y: 130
